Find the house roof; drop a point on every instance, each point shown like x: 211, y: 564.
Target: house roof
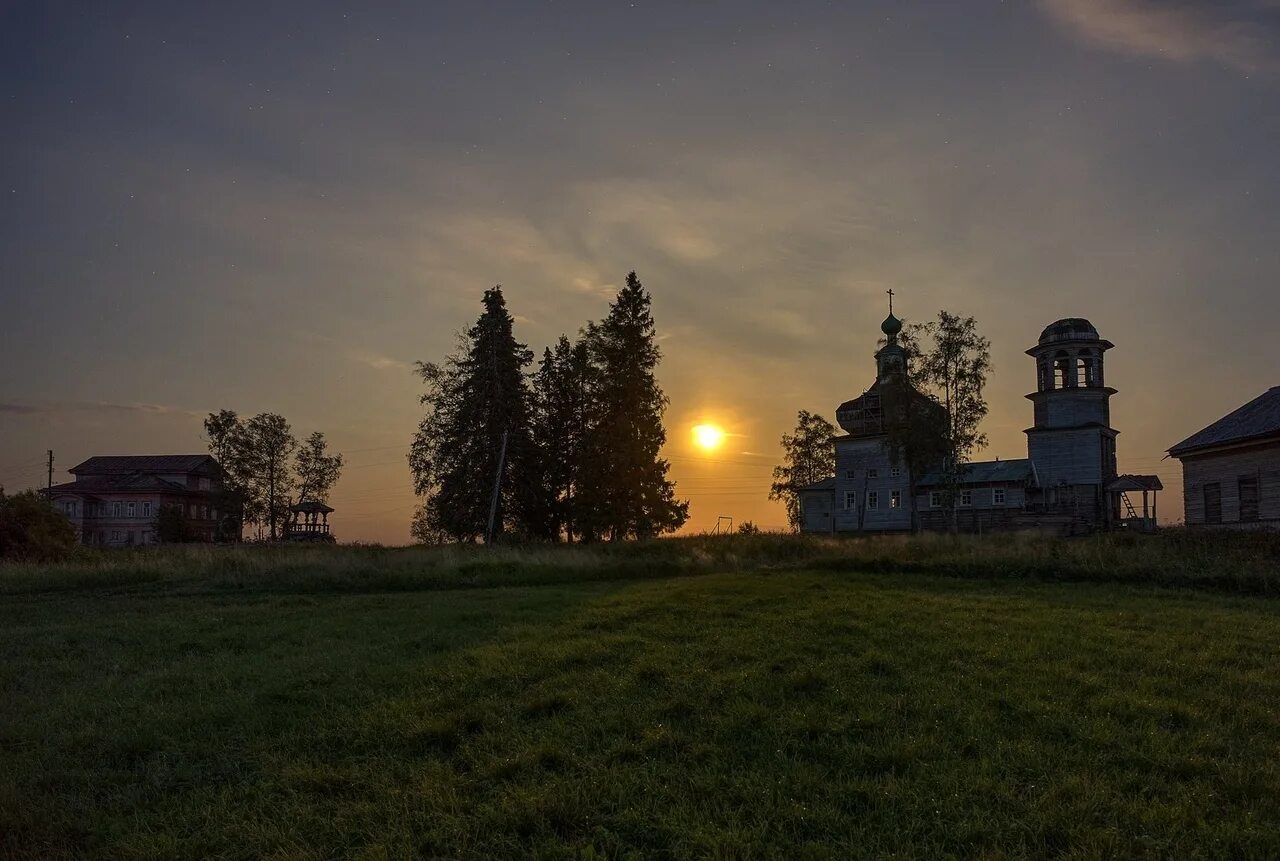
x: 985, y: 472
x: 124, y: 464
x: 1135, y: 482
x: 825, y: 484
x: 135, y: 481
x: 1257, y: 419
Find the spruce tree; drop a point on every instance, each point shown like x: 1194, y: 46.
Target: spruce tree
x: 561, y: 397
x: 476, y: 398
x: 624, y: 489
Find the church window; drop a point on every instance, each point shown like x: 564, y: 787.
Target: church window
x: 873, y: 499
x: 850, y: 499
x: 873, y: 473
x: 935, y: 499
x: 966, y: 497
x: 997, y: 496
x: 1063, y: 370
x: 895, y: 499
x: 1084, y: 370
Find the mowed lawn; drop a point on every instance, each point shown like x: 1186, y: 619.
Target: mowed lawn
x: 825, y: 715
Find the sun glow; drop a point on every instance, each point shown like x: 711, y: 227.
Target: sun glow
x: 708, y: 437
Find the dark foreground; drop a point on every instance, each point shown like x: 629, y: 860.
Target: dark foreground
x: 787, y: 714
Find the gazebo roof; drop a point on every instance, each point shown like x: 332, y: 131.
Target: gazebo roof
x: 310, y: 507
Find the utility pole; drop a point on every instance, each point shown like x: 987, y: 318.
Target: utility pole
x: 497, y: 487
x: 49, y: 486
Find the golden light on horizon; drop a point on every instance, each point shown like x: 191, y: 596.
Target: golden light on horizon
x: 708, y: 437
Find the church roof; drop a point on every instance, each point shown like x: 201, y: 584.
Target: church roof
x: 1258, y: 419
x: 825, y: 484
x: 1069, y: 330
x: 985, y: 472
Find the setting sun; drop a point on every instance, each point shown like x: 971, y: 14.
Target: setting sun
x: 708, y: 437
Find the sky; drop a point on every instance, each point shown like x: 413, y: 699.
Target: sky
x: 281, y: 206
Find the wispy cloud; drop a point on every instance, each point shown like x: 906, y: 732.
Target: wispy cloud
x: 62, y: 407
x: 378, y: 361
x: 1240, y: 35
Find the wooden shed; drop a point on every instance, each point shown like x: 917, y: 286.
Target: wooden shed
x: 1231, y: 469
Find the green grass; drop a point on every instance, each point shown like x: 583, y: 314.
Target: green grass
x: 763, y: 712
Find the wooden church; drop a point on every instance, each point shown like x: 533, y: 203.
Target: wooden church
x: 1067, y: 483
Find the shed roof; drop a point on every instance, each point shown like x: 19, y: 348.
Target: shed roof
x: 985, y: 472
x: 1257, y: 419
x: 1135, y: 482
x: 127, y: 463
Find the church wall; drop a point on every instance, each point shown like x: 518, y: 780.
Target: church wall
x: 1070, y: 407
x: 1068, y: 456
x: 863, y: 467
x: 815, y: 510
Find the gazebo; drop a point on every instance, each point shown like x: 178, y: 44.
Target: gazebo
x: 1146, y: 484
x: 309, y: 521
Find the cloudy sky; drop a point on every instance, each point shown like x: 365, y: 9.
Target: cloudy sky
x: 281, y: 205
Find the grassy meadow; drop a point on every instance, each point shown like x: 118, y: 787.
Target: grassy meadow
x: 732, y: 698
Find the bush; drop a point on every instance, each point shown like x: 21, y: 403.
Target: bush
x: 32, y: 530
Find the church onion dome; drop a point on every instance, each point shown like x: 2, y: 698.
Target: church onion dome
x: 891, y: 326
x: 1069, y: 329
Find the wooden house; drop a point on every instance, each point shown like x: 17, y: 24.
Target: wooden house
x: 114, y: 500
x: 1231, y: 469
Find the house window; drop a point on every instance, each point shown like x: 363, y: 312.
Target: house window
x: 1213, y: 503
x: 850, y: 474
x: 115, y: 536
x: 873, y: 499
x: 895, y: 472
x: 115, y: 509
x: 935, y: 499
x: 850, y: 499
x: 146, y: 509
x: 133, y: 509
x: 873, y: 473
x: 997, y: 496
x: 895, y: 499
x: 1248, y: 498
x: 966, y: 497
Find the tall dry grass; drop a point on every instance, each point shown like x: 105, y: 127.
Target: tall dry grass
x: 1228, y: 561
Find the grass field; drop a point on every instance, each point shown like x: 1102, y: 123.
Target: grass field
x: 573, y: 707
